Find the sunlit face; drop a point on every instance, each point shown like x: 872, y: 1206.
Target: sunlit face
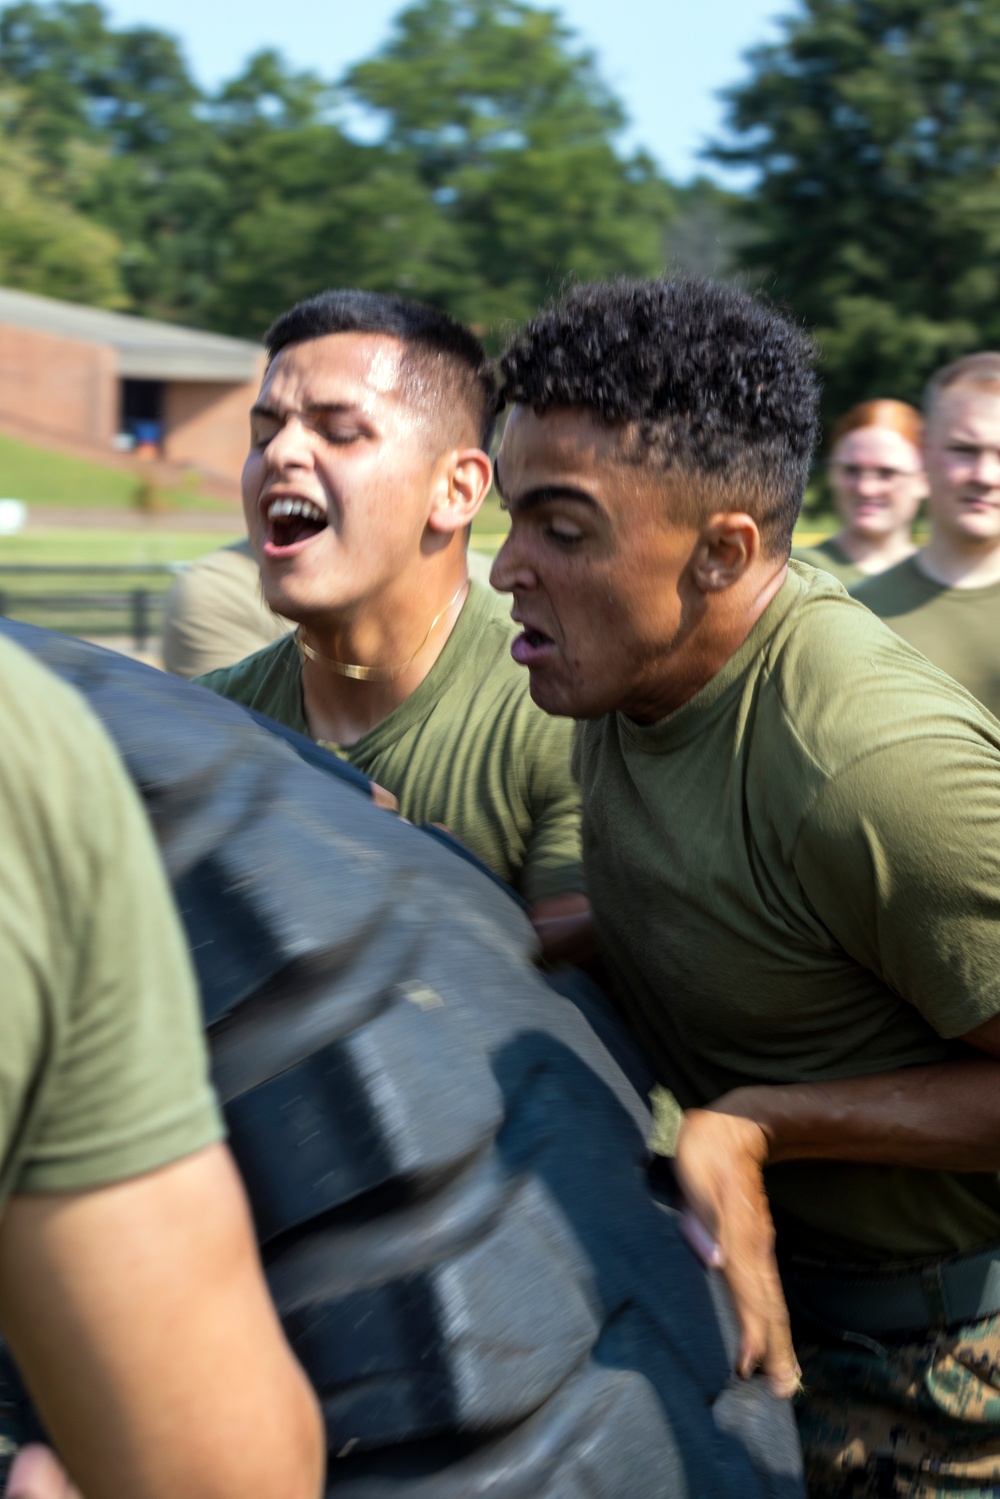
x: 878, y: 482
x: 337, y: 483
x: 962, y: 450
x: 596, y: 567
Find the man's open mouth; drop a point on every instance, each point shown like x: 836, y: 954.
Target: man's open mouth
x: 531, y: 646
x: 291, y: 524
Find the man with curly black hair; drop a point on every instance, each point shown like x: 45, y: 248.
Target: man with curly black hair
x: 792, y: 848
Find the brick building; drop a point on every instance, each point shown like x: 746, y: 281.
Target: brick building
x: 95, y: 380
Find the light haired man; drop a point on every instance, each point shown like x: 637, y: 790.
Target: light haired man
x: 945, y: 600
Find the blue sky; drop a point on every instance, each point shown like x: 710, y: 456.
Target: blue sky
x: 665, y: 59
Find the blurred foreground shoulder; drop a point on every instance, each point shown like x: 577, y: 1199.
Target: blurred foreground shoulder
x: 103, y: 1072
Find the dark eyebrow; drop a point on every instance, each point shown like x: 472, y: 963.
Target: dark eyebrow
x: 549, y: 494
x: 324, y: 408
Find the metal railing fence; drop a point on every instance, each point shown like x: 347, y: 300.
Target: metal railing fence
x: 122, y: 599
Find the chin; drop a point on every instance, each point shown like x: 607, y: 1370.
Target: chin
x: 562, y: 701
x: 290, y: 605
x: 984, y: 529
x: 876, y: 532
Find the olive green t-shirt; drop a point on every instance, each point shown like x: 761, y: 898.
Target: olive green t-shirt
x: 796, y: 877
x: 103, y: 1071
x: 214, y: 613
x: 956, y: 628
x: 831, y: 558
x: 468, y: 749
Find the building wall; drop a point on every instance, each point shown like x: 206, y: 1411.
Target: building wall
x: 58, y: 387
x: 208, y: 424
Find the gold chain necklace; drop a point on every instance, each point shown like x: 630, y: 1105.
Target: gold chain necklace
x: 373, y: 673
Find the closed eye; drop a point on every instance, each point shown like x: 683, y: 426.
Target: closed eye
x: 341, y: 436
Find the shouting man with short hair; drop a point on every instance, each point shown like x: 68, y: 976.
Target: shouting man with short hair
x: 792, y: 847
x: 368, y: 463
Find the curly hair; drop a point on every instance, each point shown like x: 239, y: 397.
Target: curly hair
x: 697, y: 374
x: 445, y: 366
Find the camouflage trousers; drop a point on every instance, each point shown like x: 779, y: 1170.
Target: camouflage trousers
x: 903, y: 1420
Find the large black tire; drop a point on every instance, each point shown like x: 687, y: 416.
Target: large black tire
x: 446, y: 1167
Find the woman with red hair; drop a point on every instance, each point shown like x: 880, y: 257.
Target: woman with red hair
x: 877, y: 476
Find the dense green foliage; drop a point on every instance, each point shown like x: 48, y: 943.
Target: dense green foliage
x: 874, y: 126
x: 46, y: 244
x: 496, y: 174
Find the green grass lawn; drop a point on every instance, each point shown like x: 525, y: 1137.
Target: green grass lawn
x: 40, y: 477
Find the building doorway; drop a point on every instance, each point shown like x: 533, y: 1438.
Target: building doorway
x: 142, y: 405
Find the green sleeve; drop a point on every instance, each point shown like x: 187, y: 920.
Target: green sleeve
x: 900, y: 858
x: 108, y: 1075
x: 215, y: 615
x: 553, y: 863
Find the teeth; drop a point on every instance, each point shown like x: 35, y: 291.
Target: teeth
x: 282, y: 509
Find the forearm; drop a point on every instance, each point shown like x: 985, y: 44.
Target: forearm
x: 943, y: 1117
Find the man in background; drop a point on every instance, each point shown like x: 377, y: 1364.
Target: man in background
x: 945, y: 600
x: 131, y: 1293
x: 215, y: 614
x: 368, y: 463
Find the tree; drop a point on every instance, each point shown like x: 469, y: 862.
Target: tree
x: 707, y: 235
x: 309, y: 207
x: 126, y: 99
x: 512, y: 134
x: 874, y: 127
x: 498, y: 175
x: 46, y: 246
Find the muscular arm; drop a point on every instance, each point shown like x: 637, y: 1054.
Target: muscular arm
x: 939, y: 1118
x: 140, y: 1319
x: 942, y: 1117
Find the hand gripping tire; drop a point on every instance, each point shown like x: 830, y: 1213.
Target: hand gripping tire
x: 446, y: 1166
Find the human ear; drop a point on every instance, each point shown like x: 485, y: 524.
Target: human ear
x: 462, y: 484
x: 727, y: 546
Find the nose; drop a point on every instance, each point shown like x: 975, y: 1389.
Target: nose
x: 987, y: 468
x: 510, y: 568
x: 290, y: 447
x: 868, y: 485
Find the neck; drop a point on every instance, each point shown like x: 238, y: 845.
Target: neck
x: 960, y: 561
x: 709, y: 637
x: 398, y: 639
x: 874, y: 554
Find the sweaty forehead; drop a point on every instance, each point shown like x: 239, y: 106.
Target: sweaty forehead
x: 567, y: 440
x: 967, y: 411
x: 350, y: 369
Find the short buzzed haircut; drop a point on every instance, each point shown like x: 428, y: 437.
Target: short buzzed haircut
x: 980, y: 371
x: 445, y: 364
x: 700, y: 377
